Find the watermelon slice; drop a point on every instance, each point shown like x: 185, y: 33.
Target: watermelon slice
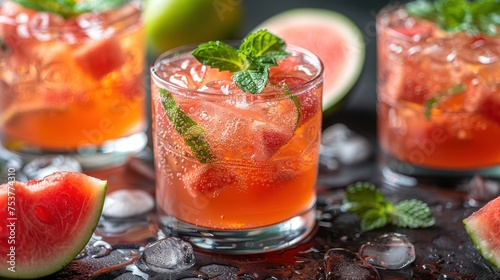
x: 209, y: 179
x: 100, y: 58
x: 334, y: 38
x: 45, y: 223
x: 483, y: 227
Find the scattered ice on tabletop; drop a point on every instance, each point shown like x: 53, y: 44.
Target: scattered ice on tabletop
x: 169, y: 255
x: 127, y: 203
x: 343, y: 264
x: 481, y: 190
x: 391, y: 251
x: 340, y: 143
x: 10, y: 165
x: 43, y: 166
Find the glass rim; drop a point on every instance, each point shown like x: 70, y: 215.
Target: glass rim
x: 383, y: 23
x: 185, y: 50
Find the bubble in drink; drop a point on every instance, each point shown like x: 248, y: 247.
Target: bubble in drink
x: 169, y: 255
x: 342, y: 264
x: 391, y: 251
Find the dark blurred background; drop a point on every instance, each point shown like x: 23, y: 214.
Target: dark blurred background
x: 359, y: 108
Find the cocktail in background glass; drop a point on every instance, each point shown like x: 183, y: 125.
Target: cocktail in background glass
x: 72, y: 84
x: 438, y: 100
x: 236, y: 171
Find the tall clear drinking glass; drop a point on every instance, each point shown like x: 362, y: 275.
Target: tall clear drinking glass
x: 438, y: 101
x: 72, y: 85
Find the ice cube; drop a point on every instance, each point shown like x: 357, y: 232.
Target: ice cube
x: 46, y: 165
x: 10, y: 165
x: 343, y: 144
x: 481, y: 190
x: 391, y: 251
x: 168, y: 255
x: 95, y: 25
x: 127, y: 203
x: 342, y: 264
x: 41, y: 26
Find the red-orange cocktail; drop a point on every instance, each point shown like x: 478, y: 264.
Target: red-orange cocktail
x: 256, y: 189
x: 438, y: 98
x: 71, y: 84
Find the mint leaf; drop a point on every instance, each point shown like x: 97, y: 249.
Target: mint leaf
x: 219, y: 55
x: 362, y: 197
x: 191, y: 132
x: 262, y: 43
x: 253, y: 81
x: 412, y: 213
x: 373, y: 218
x: 250, y: 62
x: 70, y: 8
x: 472, y: 17
x: 422, y: 9
x: 434, y: 101
x: 371, y: 206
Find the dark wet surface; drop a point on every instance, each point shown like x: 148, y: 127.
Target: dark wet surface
x: 443, y: 251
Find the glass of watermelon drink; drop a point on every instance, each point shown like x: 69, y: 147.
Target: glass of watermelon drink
x: 438, y: 100
x: 72, y: 83
x: 236, y: 171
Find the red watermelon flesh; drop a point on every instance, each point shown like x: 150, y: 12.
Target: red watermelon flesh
x: 45, y: 223
x: 483, y: 226
x: 333, y: 37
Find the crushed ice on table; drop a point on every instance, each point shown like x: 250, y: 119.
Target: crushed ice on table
x: 340, y: 145
x: 10, y: 165
x: 391, y: 251
x: 168, y: 255
x: 46, y: 165
x: 127, y: 203
x: 344, y: 264
x: 481, y: 190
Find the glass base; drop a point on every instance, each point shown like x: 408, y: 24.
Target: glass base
x: 398, y: 173
x: 246, y: 241
x: 111, y: 153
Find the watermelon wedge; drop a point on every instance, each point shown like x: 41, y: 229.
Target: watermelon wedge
x: 333, y: 37
x: 483, y: 227
x: 45, y: 223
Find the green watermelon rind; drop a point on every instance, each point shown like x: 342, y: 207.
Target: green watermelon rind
x: 474, y: 226
x: 62, y: 259
x: 332, y: 101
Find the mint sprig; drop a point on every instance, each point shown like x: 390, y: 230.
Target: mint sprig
x: 192, y: 133
x: 375, y: 211
x: 472, y: 17
x: 70, y: 8
x: 250, y: 62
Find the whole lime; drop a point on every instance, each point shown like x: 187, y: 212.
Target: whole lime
x: 172, y: 23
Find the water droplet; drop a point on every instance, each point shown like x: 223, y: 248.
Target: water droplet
x: 127, y: 203
x: 344, y: 264
x: 103, y: 249
x: 390, y: 251
x: 169, y: 255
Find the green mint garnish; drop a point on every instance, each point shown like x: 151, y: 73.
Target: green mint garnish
x: 250, y: 62
x: 70, y: 8
x: 432, y: 102
x: 472, y: 17
x: 191, y: 132
x: 375, y: 211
